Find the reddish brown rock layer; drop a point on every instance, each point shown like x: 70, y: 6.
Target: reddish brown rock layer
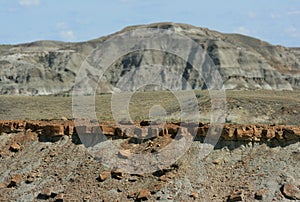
x: 234, y: 132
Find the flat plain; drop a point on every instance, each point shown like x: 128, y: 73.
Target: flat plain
x: 260, y: 106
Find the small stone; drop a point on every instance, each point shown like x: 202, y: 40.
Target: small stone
x: 64, y: 118
x: 143, y: 194
x: 59, y: 197
x: 290, y: 191
x: 260, y: 194
x: 131, y: 194
x: 125, y: 153
x: 236, y: 195
x: 15, y: 147
x: 156, y: 187
x: 163, y: 178
x: 195, y: 195
x: 39, y: 131
x: 29, y: 179
x: 52, y: 154
x: 87, y: 198
x: 28, y: 131
x: 217, y: 161
x: 133, y: 179
x: 117, y: 174
x: 171, y: 175
x: 47, y: 192
x: 14, y: 181
x: 104, y: 175
x: 167, y: 176
x: 2, y: 185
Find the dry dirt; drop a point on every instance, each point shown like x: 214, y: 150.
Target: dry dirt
x: 39, y: 164
x: 245, y: 107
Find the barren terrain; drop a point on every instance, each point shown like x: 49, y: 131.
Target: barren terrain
x: 245, y: 107
x: 257, y: 158
x: 165, y: 150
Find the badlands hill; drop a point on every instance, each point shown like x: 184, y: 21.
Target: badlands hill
x: 51, y: 67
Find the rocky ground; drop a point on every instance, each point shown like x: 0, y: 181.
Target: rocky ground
x: 42, y: 161
x: 45, y: 160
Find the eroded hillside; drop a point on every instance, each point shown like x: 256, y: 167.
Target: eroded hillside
x: 48, y: 67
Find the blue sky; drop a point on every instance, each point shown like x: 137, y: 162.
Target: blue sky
x: 275, y: 21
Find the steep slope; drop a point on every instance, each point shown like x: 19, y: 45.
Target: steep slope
x: 50, y: 67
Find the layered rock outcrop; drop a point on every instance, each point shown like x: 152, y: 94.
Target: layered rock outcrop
x: 47, y: 67
x: 230, y: 132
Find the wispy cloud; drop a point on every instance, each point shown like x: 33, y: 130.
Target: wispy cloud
x: 242, y: 30
x: 65, y: 32
x: 275, y: 15
x: 62, y: 25
x: 29, y: 2
x: 293, y: 32
x: 67, y: 35
x: 8, y: 10
x: 251, y: 14
x: 294, y: 12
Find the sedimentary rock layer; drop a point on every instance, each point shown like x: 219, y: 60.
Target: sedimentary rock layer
x: 232, y: 132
